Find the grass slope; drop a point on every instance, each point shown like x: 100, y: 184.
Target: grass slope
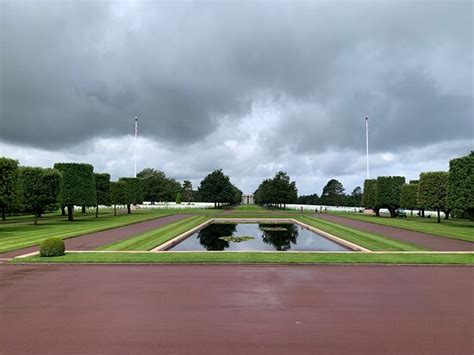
x: 151, y: 239
x: 455, y: 229
x: 256, y: 258
x: 21, y: 235
x: 367, y: 240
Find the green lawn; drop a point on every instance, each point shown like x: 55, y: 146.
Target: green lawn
x: 153, y: 238
x: 455, y: 229
x: 15, y: 236
x: 249, y: 208
x: 256, y: 258
x: 28, y: 218
x: 367, y: 240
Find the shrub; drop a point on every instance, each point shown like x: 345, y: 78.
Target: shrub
x: 52, y: 247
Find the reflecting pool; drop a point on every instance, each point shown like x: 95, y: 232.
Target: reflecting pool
x: 256, y: 237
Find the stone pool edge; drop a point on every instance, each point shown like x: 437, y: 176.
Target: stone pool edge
x: 179, y: 238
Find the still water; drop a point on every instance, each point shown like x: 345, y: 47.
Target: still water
x: 256, y: 237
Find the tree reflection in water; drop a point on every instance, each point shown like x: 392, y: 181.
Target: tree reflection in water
x: 209, y: 236
x: 281, y: 239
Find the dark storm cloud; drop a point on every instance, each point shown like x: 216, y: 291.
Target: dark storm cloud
x: 71, y: 71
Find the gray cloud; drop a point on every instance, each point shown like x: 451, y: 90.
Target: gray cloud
x: 281, y: 84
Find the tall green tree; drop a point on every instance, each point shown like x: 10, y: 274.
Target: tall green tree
x: 408, y: 196
x: 8, y: 183
x: 284, y: 190
x: 461, y: 184
x: 333, y: 194
x: 355, y: 198
x: 237, y: 195
x: 264, y: 193
x: 369, y: 196
x: 187, y: 191
x: 216, y: 187
x: 77, y: 187
x: 179, y: 199
x: 132, y: 192
x: 117, y: 194
x: 157, y: 186
x: 278, y: 191
x: 433, y: 191
x: 389, y: 189
x: 39, y: 189
x: 102, y: 191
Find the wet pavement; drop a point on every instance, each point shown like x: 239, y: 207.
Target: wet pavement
x: 235, y: 309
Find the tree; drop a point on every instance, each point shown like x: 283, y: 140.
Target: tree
x: 264, y: 195
x: 284, y: 190
x: 132, y: 192
x: 39, y: 189
x: 369, y: 196
x: 237, y: 195
x: 102, y: 190
x: 117, y: 194
x: 8, y: 183
x: 278, y: 191
x: 389, y: 189
x: 408, y: 196
x: 157, y: 186
x: 333, y: 194
x: 355, y: 199
x: 187, y: 190
x: 178, y: 198
x: 433, y: 191
x: 77, y: 186
x: 216, y: 187
x: 461, y: 184
x: 309, y: 199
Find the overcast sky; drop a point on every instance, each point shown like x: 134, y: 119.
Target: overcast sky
x: 249, y: 87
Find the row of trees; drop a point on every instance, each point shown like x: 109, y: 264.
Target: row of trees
x: 334, y: 195
x: 277, y: 191
x: 438, y: 191
x: 36, y: 190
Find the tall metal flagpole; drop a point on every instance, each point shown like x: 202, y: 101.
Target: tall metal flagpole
x: 367, y: 143
x: 135, y: 147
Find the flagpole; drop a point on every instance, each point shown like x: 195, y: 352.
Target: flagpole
x: 135, y: 147
x: 367, y: 143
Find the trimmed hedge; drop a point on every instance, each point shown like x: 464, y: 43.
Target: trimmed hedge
x: 52, y: 247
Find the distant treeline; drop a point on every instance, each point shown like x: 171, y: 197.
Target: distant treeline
x: 333, y: 195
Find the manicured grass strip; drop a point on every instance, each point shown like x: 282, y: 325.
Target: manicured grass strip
x: 454, y: 229
x: 30, y: 218
x: 264, y: 214
x: 18, y: 236
x: 257, y: 258
x: 367, y: 240
x: 153, y: 238
x: 251, y: 208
